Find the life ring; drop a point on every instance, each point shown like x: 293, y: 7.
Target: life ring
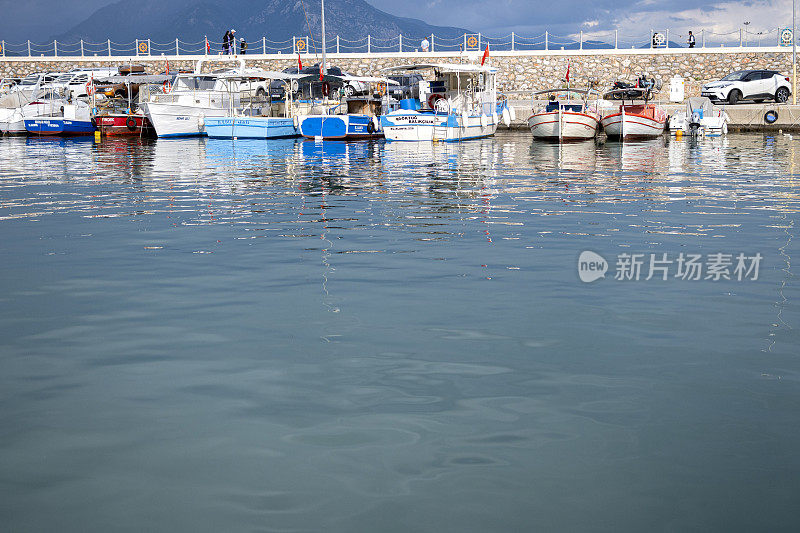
x: 326, y: 88
x: 131, y: 123
x: 370, y: 127
x: 167, y: 86
x: 771, y: 116
x: 382, y: 88
x: 432, y: 99
x: 89, y: 88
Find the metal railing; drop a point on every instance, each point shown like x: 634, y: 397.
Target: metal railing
x: 584, y: 40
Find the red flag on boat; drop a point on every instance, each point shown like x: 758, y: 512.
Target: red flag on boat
x: 320, y: 72
x: 568, y: 62
x: 485, y: 55
x: 299, y: 63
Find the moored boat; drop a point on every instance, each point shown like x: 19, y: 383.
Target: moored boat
x: 634, y: 120
x: 563, y: 118
x: 700, y: 118
x: 460, y: 102
x: 76, y: 120
x: 114, y: 124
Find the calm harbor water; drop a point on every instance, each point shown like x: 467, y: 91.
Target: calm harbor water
x: 202, y: 335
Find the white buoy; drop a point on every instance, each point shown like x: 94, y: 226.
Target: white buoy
x: 506, y: 117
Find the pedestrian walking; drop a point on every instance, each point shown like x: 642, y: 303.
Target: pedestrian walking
x: 232, y: 43
x: 243, y: 47
x: 691, y: 40
x: 226, y: 39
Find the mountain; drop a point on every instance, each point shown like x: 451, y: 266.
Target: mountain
x: 277, y: 20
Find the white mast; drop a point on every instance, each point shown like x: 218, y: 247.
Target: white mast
x: 324, y: 65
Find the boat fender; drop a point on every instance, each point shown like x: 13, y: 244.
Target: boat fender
x: 167, y: 86
x: 89, y: 88
x: 494, y: 117
x: 131, y: 123
x: 484, y: 120
x: 513, y: 113
x: 376, y: 123
x: 62, y: 109
x: 381, y: 88
x: 296, y: 122
x: 432, y: 99
x: 370, y: 127
x: 201, y: 122
x: 771, y: 116
x: 506, y: 117
x: 326, y: 88
x: 94, y: 122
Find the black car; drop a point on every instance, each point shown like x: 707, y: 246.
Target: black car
x: 408, y: 88
x: 313, y: 89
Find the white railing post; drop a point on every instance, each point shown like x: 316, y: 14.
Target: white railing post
x: 148, y: 46
x: 512, y: 41
x: 308, y: 43
x: 465, y: 42
x: 703, y: 37
x: 55, y: 48
x: 369, y: 44
x: 4, y: 47
x: 401, y: 43
x: 479, y: 40
x: 29, y: 48
x: 431, y: 42
x: 740, y: 37
x: 666, y: 38
x: 264, y: 45
x: 581, y: 42
x: 337, y: 44
x: 616, y: 39
x: 137, y: 47
x: 294, y: 44
x: 81, y: 47
x: 109, y: 48
x: 546, y: 39
x: 177, y: 47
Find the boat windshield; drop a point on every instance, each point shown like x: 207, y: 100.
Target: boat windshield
x: 64, y: 78
x: 196, y: 83
x: 735, y: 76
x: 29, y: 80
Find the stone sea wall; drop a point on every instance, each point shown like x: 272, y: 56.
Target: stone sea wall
x: 520, y: 71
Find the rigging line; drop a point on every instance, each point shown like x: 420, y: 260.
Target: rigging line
x: 310, y: 32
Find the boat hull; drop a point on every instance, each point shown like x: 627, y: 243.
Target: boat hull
x: 564, y: 126
x: 345, y: 127
x: 58, y: 126
x: 414, y: 126
x: 176, y: 120
x: 624, y: 125
x: 123, y: 124
x: 250, y: 127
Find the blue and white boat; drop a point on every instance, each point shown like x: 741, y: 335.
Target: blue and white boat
x: 349, y: 118
x: 459, y: 102
x: 76, y: 120
x: 261, y: 117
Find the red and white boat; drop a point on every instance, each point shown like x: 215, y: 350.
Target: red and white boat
x: 124, y: 124
x: 635, y: 121
x: 565, y: 119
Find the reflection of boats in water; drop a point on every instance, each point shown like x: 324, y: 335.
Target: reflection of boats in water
x: 579, y: 156
x: 637, y: 156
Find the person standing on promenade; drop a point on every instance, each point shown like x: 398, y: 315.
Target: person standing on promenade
x: 232, y: 43
x: 424, y: 45
x: 243, y: 47
x: 691, y: 40
x: 226, y: 39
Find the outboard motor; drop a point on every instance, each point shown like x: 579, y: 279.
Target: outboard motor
x: 694, y: 122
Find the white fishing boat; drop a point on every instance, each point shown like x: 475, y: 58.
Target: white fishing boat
x: 700, y: 118
x: 458, y: 102
x: 43, y: 103
x: 634, y: 120
x: 261, y: 117
x: 563, y: 117
x: 182, y: 110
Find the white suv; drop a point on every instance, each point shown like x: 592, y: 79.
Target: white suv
x: 756, y: 85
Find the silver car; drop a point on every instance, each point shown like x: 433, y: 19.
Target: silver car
x: 755, y: 85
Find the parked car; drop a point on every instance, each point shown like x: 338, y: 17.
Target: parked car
x: 756, y: 85
x: 277, y: 88
x: 408, y: 88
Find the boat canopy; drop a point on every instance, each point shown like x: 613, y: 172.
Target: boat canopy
x: 331, y: 77
x: 563, y: 90
x: 444, y: 67
x: 256, y: 73
x: 136, y: 78
x: 697, y: 103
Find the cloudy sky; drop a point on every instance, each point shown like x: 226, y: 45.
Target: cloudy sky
x: 40, y: 19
